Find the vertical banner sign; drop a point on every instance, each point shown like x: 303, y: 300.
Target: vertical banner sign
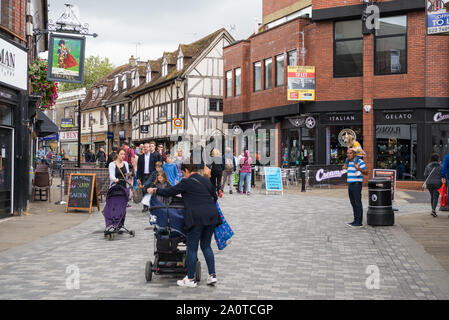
x: 273, y: 180
x: 387, y: 174
x: 66, y: 58
x: 437, y: 16
x: 301, y: 83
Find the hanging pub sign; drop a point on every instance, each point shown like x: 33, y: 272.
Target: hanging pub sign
x: 66, y: 58
x: 301, y: 83
x: 437, y: 16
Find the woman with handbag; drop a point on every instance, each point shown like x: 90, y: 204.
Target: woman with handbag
x: 201, y: 217
x: 119, y: 170
x: 432, y: 173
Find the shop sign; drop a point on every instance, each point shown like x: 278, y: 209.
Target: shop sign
x: 69, y: 135
x: 341, y: 118
x: 301, y: 83
x: 437, y: 16
x: 13, y: 65
x: 301, y: 122
x: 52, y: 137
x: 393, y: 131
x: 110, y: 135
x: 399, y: 116
x: 439, y: 116
x: 67, y: 123
x: 343, y: 136
x: 177, y: 123
x: 273, y: 179
x: 326, y: 175
x: 144, y: 129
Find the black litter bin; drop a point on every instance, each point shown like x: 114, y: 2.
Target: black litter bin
x: 380, y: 210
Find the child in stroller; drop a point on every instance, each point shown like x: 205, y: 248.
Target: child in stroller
x: 170, y: 239
x: 114, y: 211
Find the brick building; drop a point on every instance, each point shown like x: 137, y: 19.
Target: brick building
x: 17, y: 105
x: 390, y: 88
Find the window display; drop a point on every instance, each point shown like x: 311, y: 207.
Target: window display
x: 292, y: 152
x: 396, y: 149
x: 337, y: 148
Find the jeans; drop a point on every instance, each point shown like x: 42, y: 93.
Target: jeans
x: 202, y: 235
x: 245, y: 176
x: 434, y: 197
x: 355, y: 196
x: 227, y: 179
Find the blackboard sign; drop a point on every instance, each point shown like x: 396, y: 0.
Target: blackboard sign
x: 83, y: 192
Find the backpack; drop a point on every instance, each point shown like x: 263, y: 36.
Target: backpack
x: 229, y: 165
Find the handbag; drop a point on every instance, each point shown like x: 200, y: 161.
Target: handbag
x: 137, y: 195
x: 222, y: 233
x: 424, y: 185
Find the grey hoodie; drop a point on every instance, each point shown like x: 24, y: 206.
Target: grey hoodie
x: 434, y: 180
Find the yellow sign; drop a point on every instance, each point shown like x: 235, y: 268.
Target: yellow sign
x: 177, y: 123
x: 301, y: 83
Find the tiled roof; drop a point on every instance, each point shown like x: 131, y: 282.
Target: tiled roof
x: 192, y: 51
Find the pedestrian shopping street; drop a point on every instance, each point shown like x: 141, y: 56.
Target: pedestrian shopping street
x: 295, y: 246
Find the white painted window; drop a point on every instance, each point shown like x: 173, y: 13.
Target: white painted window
x: 116, y: 83
x: 124, y: 85
x: 133, y: 79
x: 148, y: 75
x: 136, y: 79
x: 164, y: 68
x: 180, y: 63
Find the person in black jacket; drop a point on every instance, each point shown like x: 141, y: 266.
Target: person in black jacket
x: 200, y: 219
x: 101, y: 157
x: 111, y: 156
x: 432, y: 173
x: 217, y: 168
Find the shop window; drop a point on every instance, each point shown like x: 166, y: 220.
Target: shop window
x: 440, y: 139
x: 268, y: 73
x: 257, y: 72
x: 396, y: 149
x: 292, y: 57
x: 238, y: 81
x: 122, y: 112
x: 280, y: 70
x: 336, y: 145
x: 391, y: 46
x: 5, y: 115
x: 348, y: 48
x: 229, y: 84
x: 291, y: 147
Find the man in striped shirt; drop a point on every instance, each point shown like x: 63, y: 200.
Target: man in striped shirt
x: 356, y: 169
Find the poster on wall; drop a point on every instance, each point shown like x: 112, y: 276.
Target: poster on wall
x: 437, y: 16
x: 301, y: 83
x: 66, y: 58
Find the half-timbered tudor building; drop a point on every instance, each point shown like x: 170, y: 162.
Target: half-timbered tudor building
x: 185, y: 84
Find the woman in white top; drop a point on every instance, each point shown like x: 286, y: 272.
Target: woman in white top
x: 119, y: 170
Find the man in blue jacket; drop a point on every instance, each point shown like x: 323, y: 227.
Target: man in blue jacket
x: 445, y: 169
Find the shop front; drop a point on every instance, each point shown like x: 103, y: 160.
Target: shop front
x: 298, y: 141
x: 333, y: 130
x: 99, y: 140
x: 69, y: 142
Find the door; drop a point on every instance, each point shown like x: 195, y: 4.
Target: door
x: 5, y: 172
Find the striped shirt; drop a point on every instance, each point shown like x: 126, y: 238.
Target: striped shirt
x: 353, y: 174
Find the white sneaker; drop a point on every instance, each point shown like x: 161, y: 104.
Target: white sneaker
x: 187, y: 283
x: 211, y: 280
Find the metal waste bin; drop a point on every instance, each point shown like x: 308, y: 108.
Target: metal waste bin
x: 380, y: 210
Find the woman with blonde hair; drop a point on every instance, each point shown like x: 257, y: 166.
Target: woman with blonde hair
x: 217, y: 168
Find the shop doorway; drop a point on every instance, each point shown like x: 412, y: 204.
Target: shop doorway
x: 291, y: 146
x: 6, y: 172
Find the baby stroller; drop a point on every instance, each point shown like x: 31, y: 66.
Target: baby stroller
x: 114, y: 212
x: 169, y: 239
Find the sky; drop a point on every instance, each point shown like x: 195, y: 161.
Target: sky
x: 150, y: 27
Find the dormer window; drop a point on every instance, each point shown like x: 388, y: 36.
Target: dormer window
x: 124, y: 85
x: 148, y: 75
x: 116, y: 84
x: 133, y: 79
x: 164, y: 68
x: 136, y: 79
x: 180, y: 62
x: 95, y: 94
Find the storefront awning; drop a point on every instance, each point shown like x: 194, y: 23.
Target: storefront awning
x: 44, y: 126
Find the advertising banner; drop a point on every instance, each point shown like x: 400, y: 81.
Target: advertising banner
x: 319, y: 175
x: 66, y: 58
x: 273, y: 180
x: 301, y: 83
x: 13, y: 65
x: 437, y: 16
x: 387, y: 174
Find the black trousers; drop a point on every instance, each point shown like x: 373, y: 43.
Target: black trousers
x: 434, y: 197
x: 215, y: 178
x: 355, y: 196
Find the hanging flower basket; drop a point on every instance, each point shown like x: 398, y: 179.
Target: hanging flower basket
x: 47, y: 89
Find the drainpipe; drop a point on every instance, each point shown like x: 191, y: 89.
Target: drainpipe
x: 303, y: 50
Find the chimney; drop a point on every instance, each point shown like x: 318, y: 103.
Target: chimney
x: 132, y: 61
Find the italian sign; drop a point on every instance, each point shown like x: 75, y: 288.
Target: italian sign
x: 83, y: 192
x: 387, y: 174
x: 273, y: 180
x: 66, y: 59
x: 301, y: 83
x: 437, y: 16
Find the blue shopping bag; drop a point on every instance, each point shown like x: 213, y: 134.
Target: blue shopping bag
x: 223, y: 232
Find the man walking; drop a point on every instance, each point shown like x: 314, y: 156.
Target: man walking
x: 356, y: 169
x: 101, y: 157
x: 146, y: 164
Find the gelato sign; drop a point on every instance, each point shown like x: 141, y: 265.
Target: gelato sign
x: 13, y: 65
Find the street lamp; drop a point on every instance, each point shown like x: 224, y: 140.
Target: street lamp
x: 178, y: 84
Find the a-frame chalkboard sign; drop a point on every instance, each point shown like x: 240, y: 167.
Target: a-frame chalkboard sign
x: 83, y: 192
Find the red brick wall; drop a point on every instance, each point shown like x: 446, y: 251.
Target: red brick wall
x: 324, y: 4
x: 13, y: 18
x: 271, y: 6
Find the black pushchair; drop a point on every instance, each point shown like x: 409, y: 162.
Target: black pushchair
x: 169, y: 239
x: 114, y: 212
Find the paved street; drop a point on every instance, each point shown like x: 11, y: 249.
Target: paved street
x: 285, y: 247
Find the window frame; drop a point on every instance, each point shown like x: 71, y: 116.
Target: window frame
x: 277, y: 85
x: 229, y: 92
x: 335, y: 51
x: 405, y: 35
x: 254, y: 76
x: 265, y: 74
x: 235, y: 82
x: 289, y: 53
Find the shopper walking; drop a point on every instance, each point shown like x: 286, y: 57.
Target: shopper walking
x: 433, y: 182
x: 217, y: 168
x: 101, y: 157
x: 147, y: 165
x: 201, y: 217
x: 356, y: 169
x: 111, y: 156
x: 245, y: 173
x: 230, y: 166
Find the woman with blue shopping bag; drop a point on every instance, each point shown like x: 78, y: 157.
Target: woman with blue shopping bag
x: 201, y: 218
